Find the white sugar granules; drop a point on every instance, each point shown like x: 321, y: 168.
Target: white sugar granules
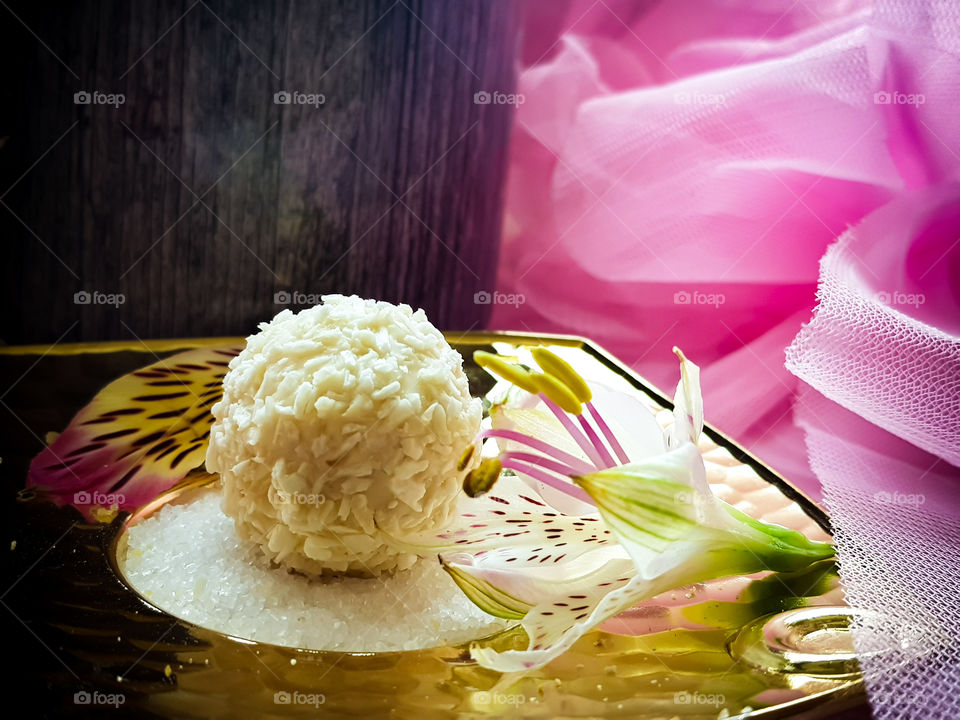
x: 188, y: 560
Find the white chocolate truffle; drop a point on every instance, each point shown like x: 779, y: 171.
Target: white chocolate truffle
x: 340, y: 426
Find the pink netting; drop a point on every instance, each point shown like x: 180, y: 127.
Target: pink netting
x: 676, y: 177
x: 883, y: 343
x: 896, y: 517
x: 870, y: 346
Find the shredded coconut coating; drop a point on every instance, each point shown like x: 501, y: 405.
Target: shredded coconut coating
x: 339, y: 426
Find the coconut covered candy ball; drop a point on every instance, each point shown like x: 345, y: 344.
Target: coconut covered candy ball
x: 340, y: 427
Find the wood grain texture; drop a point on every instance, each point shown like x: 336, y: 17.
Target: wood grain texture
x: 199, y: 198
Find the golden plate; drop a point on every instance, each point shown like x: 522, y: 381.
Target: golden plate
x: 90, y: 643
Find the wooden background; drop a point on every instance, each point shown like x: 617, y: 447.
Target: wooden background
x: 199, y: 198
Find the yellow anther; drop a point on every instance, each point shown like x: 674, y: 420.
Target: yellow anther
x: 559, y: 393
x: 465, y: 458
x: 553, y: 364
x: 519, y: 376
x: 479, y: 480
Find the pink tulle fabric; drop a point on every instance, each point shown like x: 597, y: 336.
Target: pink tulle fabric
x: 885, y: 338
x: 676, y: 177
x: 706, y: 175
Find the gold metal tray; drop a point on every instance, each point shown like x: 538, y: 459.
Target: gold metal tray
x: 88, y: 643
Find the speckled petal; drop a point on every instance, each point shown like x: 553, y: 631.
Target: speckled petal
x: 512, y: 521
x: 553, y: 626
x: 138, y: 436
x: 532, y: 582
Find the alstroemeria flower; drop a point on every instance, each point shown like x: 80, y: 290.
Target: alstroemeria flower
x: 594, y: 521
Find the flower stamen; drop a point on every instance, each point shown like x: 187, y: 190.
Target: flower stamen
x: 558, y: 392
x: 546, y: 463
x: 465, y: 458
x: 605, y: 455
x: 554, y: 365
x: 483, y: 477
x: 537, y: 473
x: 608, y: 433
x: 574, y: 432
x: 544, y: 447
x: 511, y: 372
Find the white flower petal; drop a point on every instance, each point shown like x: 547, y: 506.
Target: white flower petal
x: 687, y: 405
x: 512, y: 520
x: 534, y: 583
x: 635, y: 427
x: 553, y: 626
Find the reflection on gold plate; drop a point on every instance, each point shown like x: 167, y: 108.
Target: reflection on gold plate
x: 777, y: 647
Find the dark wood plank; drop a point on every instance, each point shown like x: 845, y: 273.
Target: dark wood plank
x: 199, y: 198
